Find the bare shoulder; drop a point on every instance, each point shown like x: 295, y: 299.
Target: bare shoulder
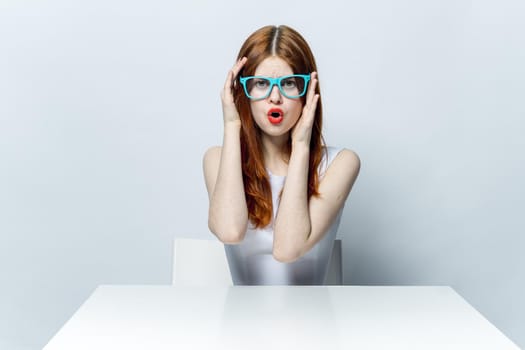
x: 341, y: 173
x: 347, y: 162
x: 339, y: 179
x: 212, y: 155
x: 210, y: 166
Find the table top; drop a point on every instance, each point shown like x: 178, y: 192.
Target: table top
x: 277, y: 317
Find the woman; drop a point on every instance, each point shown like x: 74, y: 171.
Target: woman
x: 276, y: 191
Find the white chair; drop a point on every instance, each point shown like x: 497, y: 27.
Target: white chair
x: 334, y: 275
x: 202, y: 262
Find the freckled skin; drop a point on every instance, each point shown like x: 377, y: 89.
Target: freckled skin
x: 292, y: 108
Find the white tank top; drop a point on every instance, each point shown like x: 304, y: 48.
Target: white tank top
x: 252, y: 263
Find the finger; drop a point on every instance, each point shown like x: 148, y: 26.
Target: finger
x: 314, y: 105
x: 311, y: 107
x: 238, y: 66
x: 232, y: 74
x: 311, y: 89
x: 228, y: 83
x: 311, y: 95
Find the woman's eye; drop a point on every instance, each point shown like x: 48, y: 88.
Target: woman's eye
x: 260, y: 83
x: 289, y: 83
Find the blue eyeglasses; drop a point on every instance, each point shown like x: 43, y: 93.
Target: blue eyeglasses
x: 291, y: 86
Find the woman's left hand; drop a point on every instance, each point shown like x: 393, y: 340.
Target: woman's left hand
x: 302, y: 130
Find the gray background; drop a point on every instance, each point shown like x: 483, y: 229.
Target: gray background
x: 106, y: 108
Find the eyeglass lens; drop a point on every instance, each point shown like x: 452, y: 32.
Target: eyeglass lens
x: 291, y: 87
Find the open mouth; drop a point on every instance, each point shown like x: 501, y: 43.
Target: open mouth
x: 275, y: 115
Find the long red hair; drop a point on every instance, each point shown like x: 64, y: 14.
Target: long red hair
x: 287, y: 44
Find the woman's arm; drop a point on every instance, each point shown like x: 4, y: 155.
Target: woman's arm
x: 300, y: 223
x: 228, y: 212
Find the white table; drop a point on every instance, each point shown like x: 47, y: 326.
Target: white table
x: 277, y: 317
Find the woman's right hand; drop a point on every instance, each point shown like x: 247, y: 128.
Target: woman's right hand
x: 229, y: 110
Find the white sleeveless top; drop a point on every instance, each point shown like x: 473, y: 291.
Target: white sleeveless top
x: 252, y: 263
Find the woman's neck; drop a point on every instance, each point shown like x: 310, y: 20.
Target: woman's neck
x: 274, y: 152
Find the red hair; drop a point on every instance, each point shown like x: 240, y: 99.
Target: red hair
x: 289, y: 45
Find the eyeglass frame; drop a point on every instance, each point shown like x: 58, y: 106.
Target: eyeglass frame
x: 275, y: 82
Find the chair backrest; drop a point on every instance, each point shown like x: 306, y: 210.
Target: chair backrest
x: 202, y: 262
x: 334, y: 275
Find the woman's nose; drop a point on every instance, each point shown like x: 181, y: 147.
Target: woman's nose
x: 275, y: 95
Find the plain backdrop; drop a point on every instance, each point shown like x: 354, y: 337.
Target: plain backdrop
x: 107, y: 106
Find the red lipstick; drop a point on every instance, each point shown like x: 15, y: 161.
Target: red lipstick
x: 275, y: 115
